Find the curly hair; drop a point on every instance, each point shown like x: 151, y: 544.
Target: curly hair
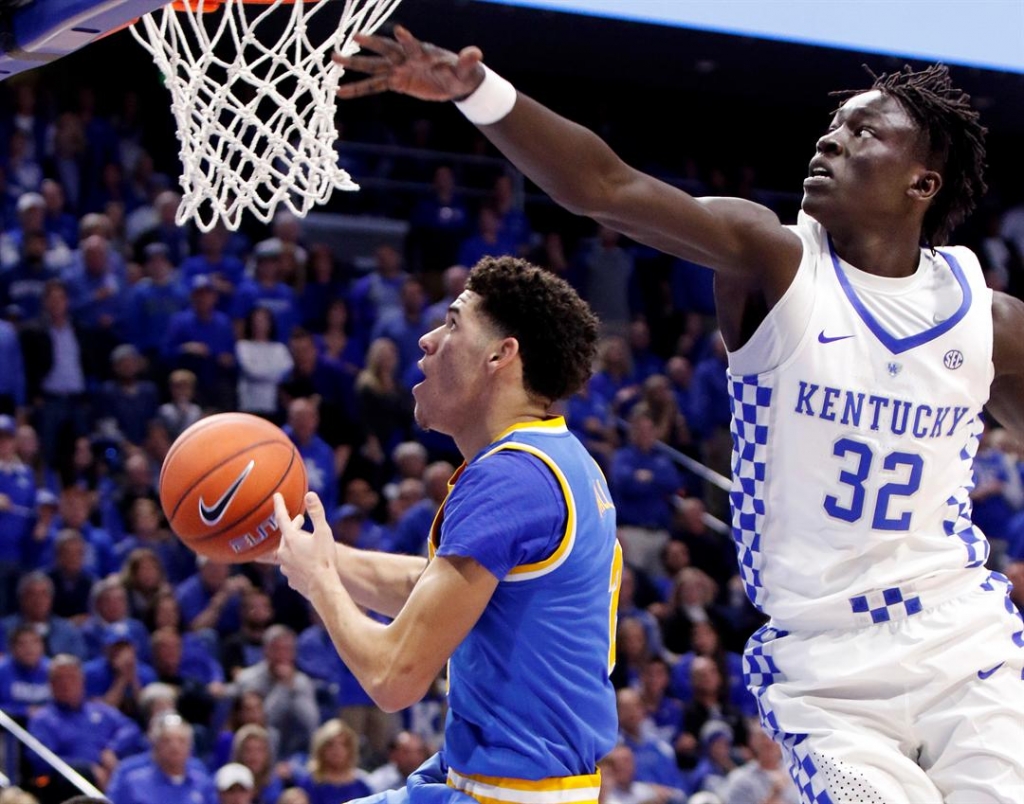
x: 956, y: 141
x: 556, y: 330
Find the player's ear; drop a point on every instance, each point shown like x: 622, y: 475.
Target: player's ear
x: 504, y: 352
x: 926, y: 185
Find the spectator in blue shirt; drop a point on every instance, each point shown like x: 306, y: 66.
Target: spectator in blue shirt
x: 210, y: 598
x: 655, y: 759
x: 153, y: 301
x: 202, y: 340
x: 96, y: 292
x: 35, y: 608
x: 643, y: 483
x: 24, y: 674
x: 266, y: 289
x: 322, y: 477
x: 90, y: 736
x: 378, y: 292
x: 17, y: 510
x: 406, y: 325
x: 438, y: 224
x: 169, y: 773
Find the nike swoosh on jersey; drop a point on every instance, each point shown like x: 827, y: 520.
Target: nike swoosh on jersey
x: 983, y: 674
x: 212, y: 514
x: 823, y: 338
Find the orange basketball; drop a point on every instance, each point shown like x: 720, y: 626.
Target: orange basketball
x: 217, y: 485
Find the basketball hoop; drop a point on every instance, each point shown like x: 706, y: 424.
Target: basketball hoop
x: 252, y: 88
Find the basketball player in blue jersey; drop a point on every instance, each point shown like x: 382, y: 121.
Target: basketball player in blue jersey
x: 861, y: 354
x: 521, y: 589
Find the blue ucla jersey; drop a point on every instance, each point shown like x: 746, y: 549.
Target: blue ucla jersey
x: 856, y: 415
x: 529, y: 694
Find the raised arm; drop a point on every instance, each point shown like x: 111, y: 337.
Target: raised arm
x: 579, y: 171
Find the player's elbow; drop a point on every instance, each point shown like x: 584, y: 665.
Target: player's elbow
x: 398, y: 688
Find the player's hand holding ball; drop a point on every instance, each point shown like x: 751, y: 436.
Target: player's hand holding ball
x: 306, y: 559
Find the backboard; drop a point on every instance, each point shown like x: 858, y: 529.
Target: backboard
x: 36, y: 32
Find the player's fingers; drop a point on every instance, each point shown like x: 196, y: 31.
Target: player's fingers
x: 368, y: 86
x: 381, y: 45
x: 371, y: 65
x: 315, y: 509
x: 281, y: 513
x: 411, y: 46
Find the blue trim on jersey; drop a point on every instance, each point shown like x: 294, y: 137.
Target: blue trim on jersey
x: 889, y: 341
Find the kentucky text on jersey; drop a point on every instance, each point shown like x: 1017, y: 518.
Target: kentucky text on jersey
x: 869, y: 411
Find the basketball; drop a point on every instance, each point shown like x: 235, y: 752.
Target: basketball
x: 217, y: 485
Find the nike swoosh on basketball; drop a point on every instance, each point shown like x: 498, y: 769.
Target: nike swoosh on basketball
x: 983, y: 674
x: 212, y: 514
x: 823, y: 338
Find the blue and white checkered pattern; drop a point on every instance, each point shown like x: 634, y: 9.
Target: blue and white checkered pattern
x: 958, y: 523
x: 750, y: 404
x: 885, y: 605
x: 809, y: 780
x: 997, y: 582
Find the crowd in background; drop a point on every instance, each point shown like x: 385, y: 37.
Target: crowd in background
x: 160, y: 677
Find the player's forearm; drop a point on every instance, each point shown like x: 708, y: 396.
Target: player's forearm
x: 369, y: 649
x: 569, y: 162
x: 381, y: 582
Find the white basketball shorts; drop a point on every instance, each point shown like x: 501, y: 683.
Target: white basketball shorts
x: 927, y: 709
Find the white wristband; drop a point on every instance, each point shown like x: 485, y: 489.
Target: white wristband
x: 490, y: 101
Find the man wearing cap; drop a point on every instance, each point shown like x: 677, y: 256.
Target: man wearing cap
x: 17, y: 498
x: 128, y: 402
x: 716, y: 761
x: 31, y: 209
x: 169, y: 773
x: 24, y: 283
x: 117, y: 676
x: 352, y: 527
x: 235, y: 784
x: 265, y: 289
x: 202, y: 340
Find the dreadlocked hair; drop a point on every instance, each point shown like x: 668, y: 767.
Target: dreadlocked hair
x: 956, y: 141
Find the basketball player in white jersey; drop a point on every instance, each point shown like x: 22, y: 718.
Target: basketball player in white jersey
x: 861, y: 354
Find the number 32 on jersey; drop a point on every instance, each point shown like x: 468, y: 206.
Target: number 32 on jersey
x: 860, y: 460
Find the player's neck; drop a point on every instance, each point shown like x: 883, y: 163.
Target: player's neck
x: 880, y: 253
x: 486, y: 428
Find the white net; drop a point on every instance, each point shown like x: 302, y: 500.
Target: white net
x: 253, y: 94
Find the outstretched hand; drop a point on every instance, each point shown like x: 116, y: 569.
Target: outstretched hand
x: 411, y: 67
x: 306, y: 558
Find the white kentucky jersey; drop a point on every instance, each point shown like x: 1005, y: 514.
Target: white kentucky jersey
x: 856, y: 415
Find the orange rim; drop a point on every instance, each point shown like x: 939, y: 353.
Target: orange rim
x: 213, y: 5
